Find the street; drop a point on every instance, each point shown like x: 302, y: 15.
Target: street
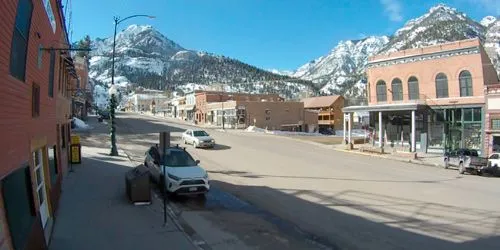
x: 333, y: 199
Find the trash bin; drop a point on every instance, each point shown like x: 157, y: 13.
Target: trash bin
x: 138, y: 186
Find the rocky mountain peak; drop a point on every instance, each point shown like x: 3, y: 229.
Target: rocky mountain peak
x: 341, y: 71
x: 488, y: 20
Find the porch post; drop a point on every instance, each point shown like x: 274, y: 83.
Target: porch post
x: 349, y: 126
x: 343, y: 126
x: 413, y: 143
x: 380, y: 129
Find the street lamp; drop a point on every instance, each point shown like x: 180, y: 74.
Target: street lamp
x: 112, y: 90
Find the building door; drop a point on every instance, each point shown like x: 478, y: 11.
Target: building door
x: 40, y: 186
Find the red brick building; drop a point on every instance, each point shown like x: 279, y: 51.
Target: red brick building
x: 205, y: 97
x: 80, y: 89
x: 492, y: 119
x: 35, y: 71
x: 429, y: 99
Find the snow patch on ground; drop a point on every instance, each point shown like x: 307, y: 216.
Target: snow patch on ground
x: 79, y: 124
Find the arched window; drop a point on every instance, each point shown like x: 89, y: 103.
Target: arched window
x: 381, y: 91
x: 441, y: 86
x: 465, y: 80
x: 397, y: 89
x: 413, y: 91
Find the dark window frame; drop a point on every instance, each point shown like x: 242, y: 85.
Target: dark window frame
x: 35, y: 100
x: 492, y: 123
x: 381, y: 93
x: 52, y: 67
x: 413, y: 88
x: 441, y: 82
x: 63, y: 136
x: 397, y: 89
x: 19, y: 204
x: 465, y: 83
x: 20, y: 40
x: 53, y: 164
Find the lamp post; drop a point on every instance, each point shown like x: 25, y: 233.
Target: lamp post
x: 112, y: 106
x: 112, y: 90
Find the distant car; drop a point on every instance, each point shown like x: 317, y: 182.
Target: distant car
x: 104, y: 114
x: 198, y: 138
x: 467, y: 160
x: 327, y: 131
x: 183, y: 176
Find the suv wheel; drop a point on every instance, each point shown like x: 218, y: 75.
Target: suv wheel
x: 461, y: 168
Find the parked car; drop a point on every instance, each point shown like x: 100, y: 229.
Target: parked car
x: 104, y: 114
x: 183, y: 176
x: 467, y: 160
x: 493, y: 164
x: 198, y: 138
x: 328, y: 131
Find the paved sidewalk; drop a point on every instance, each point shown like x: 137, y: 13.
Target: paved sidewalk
x: 434, y: 160
x: 94, y: 212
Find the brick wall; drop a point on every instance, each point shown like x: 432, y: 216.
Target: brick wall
x: 426, y: 71
x: 18, y: 129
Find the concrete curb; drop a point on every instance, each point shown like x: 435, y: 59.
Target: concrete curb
x: 416, y: 162
x: 171, y: 214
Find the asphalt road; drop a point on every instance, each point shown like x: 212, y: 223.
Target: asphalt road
x: 343, y: 200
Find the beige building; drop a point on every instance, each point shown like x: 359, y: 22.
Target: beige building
x: 329, y: 110
x: 428, y: 99
x: 147, y: 102
x: 289, y: 116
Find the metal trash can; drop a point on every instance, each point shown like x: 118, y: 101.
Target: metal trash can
x: 138, y: 185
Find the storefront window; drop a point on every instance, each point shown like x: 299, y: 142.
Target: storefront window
x: 477, y: 114
x: 472, y: 136
x: 495, y: 124
x: 468, y: 115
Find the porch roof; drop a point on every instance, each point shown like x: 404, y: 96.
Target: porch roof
x: 385, y: 107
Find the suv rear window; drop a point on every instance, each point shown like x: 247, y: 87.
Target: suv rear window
x: 179, y: 158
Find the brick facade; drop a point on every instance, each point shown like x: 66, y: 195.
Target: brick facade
x: 425, y: 64
x: 203, y: 98
x: 22, y: 133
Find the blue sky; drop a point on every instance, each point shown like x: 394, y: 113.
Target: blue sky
x: 281, y: 34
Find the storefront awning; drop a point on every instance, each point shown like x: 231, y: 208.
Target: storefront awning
x: 186, y: 107
x: 386, y: 107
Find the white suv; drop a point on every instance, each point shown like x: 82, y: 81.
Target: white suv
x: 198, y: 138
x: 183, y: 175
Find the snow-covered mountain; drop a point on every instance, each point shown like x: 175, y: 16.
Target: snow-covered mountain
x: 343, y: 68
x: 440, y: 25
x: 341, y: 71
x: 144, y: 57
x: 487, y: 21
x: 492, y: 43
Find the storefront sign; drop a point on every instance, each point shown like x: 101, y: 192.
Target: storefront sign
x: 75, y: 139
x: 76, y: 153
x: 50, y: 14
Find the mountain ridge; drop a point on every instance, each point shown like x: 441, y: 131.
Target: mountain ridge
x: 439, y: 25
x: 145, y: 57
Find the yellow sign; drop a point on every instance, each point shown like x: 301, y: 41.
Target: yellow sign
x: 75, y: 139
x: 75, y: 154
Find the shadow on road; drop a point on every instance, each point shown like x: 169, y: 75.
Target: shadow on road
x: 250, y: 175
x: 219, y: 147
x: 394, y: 223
